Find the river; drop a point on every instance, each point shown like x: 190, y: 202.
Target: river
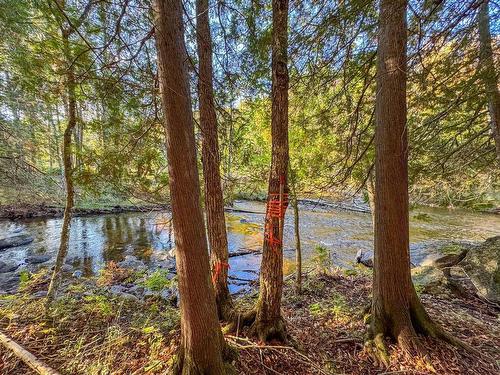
x: 96, y: 240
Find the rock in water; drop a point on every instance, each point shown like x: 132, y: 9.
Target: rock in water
x: 482, y: 266
x: 131, y: 262
x: 36, y: 259
x: 77, y: 274
x: 365, y: 259
x: 14, y: 241
x: 6, y: 267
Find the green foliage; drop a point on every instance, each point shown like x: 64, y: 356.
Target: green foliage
x: 99, y: 305
x: 158, y: 281
x: 119, y: 141
x: 337, y: 307
x: 24, y: 278
x: 322, y: 258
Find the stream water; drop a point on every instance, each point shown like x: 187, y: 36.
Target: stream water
x: 96, y: 240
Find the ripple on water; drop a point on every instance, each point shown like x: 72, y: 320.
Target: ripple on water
x: 96, y: 240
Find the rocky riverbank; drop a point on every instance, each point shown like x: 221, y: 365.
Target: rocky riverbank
x: 29, y: 211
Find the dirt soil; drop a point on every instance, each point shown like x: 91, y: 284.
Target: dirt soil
x: 87, y: 334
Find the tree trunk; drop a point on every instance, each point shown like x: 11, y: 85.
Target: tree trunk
x: 214, y: 200
x: 396, y: 309
x: 370, y: 190
x: 268, y: 323
x: 488, y: 73
x: 201, y: 336
x: 298, y: 249
x: 68, y: 170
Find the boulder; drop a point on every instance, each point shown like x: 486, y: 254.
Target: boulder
x: 430, y: 279
x: 131, y: 262
x: 36, y: 259
x: 6, y: 267
x: 14, y: 241
x: 482, y: 266
x: 77, y: 274
x: 66, y: 268
x: 9, y: 282
x: 122, y: 292
x: 40, y: 294
x: 365, y: 258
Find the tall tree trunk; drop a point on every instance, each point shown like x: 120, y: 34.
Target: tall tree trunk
x: 396, y: 309
x: 269, y: 323
x: 296, y: 225
x: 68, y: 170
x: 201, y: 336
x: 370, y: 190
x: 488, y: 73
x: 214, y: 200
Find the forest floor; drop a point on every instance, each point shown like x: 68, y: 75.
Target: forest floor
x: 91, y: 332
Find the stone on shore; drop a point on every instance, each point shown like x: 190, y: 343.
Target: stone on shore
x: 15, y: 241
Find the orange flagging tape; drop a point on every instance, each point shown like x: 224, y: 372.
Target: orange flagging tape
x: 276, y: 207
x: 218, y: 269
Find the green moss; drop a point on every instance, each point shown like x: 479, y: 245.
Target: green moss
x: 451, y: 249
x: 421, y: 216
x: 158, y: 281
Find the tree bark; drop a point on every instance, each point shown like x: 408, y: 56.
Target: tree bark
x: 269, y: 323
x: 214, y: 200
x: 370, y: 190
x: 298, y: 248
x: 488, y: 73
x: 68, y: 168
x: 28, y: 358
x: 396, y: 309
x: 201, y: 336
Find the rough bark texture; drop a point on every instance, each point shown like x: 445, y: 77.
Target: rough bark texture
x: 68, y: 170
x: 296, y: 226
x: 488, y: 73
x: 370, y: 190
x: 298, y: 249
x: 25, y: 356
x: 396, y: 309
x: 269, y: 324
x: 214, y: 200
x: 201, y: 336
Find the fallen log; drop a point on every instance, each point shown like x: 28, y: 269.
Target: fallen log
x: 26, y: 356
x: 337, y: 205
x: 231, y: 209
x: 242, y: 252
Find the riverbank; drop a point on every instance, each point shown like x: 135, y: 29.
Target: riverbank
x: 29, y: 211
x: 92, y: 330
x: 23, y: 211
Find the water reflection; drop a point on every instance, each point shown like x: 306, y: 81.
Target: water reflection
x: 96, y: 240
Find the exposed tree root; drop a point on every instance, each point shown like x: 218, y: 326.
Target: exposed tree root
x: 265, y: 331
x: 405, y: 330
x: 225, y: 307
x: 187, y: 366
x: 269, y: 330
x: 239, y: 320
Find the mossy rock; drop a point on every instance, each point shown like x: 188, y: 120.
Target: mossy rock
x: 482, y: 266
